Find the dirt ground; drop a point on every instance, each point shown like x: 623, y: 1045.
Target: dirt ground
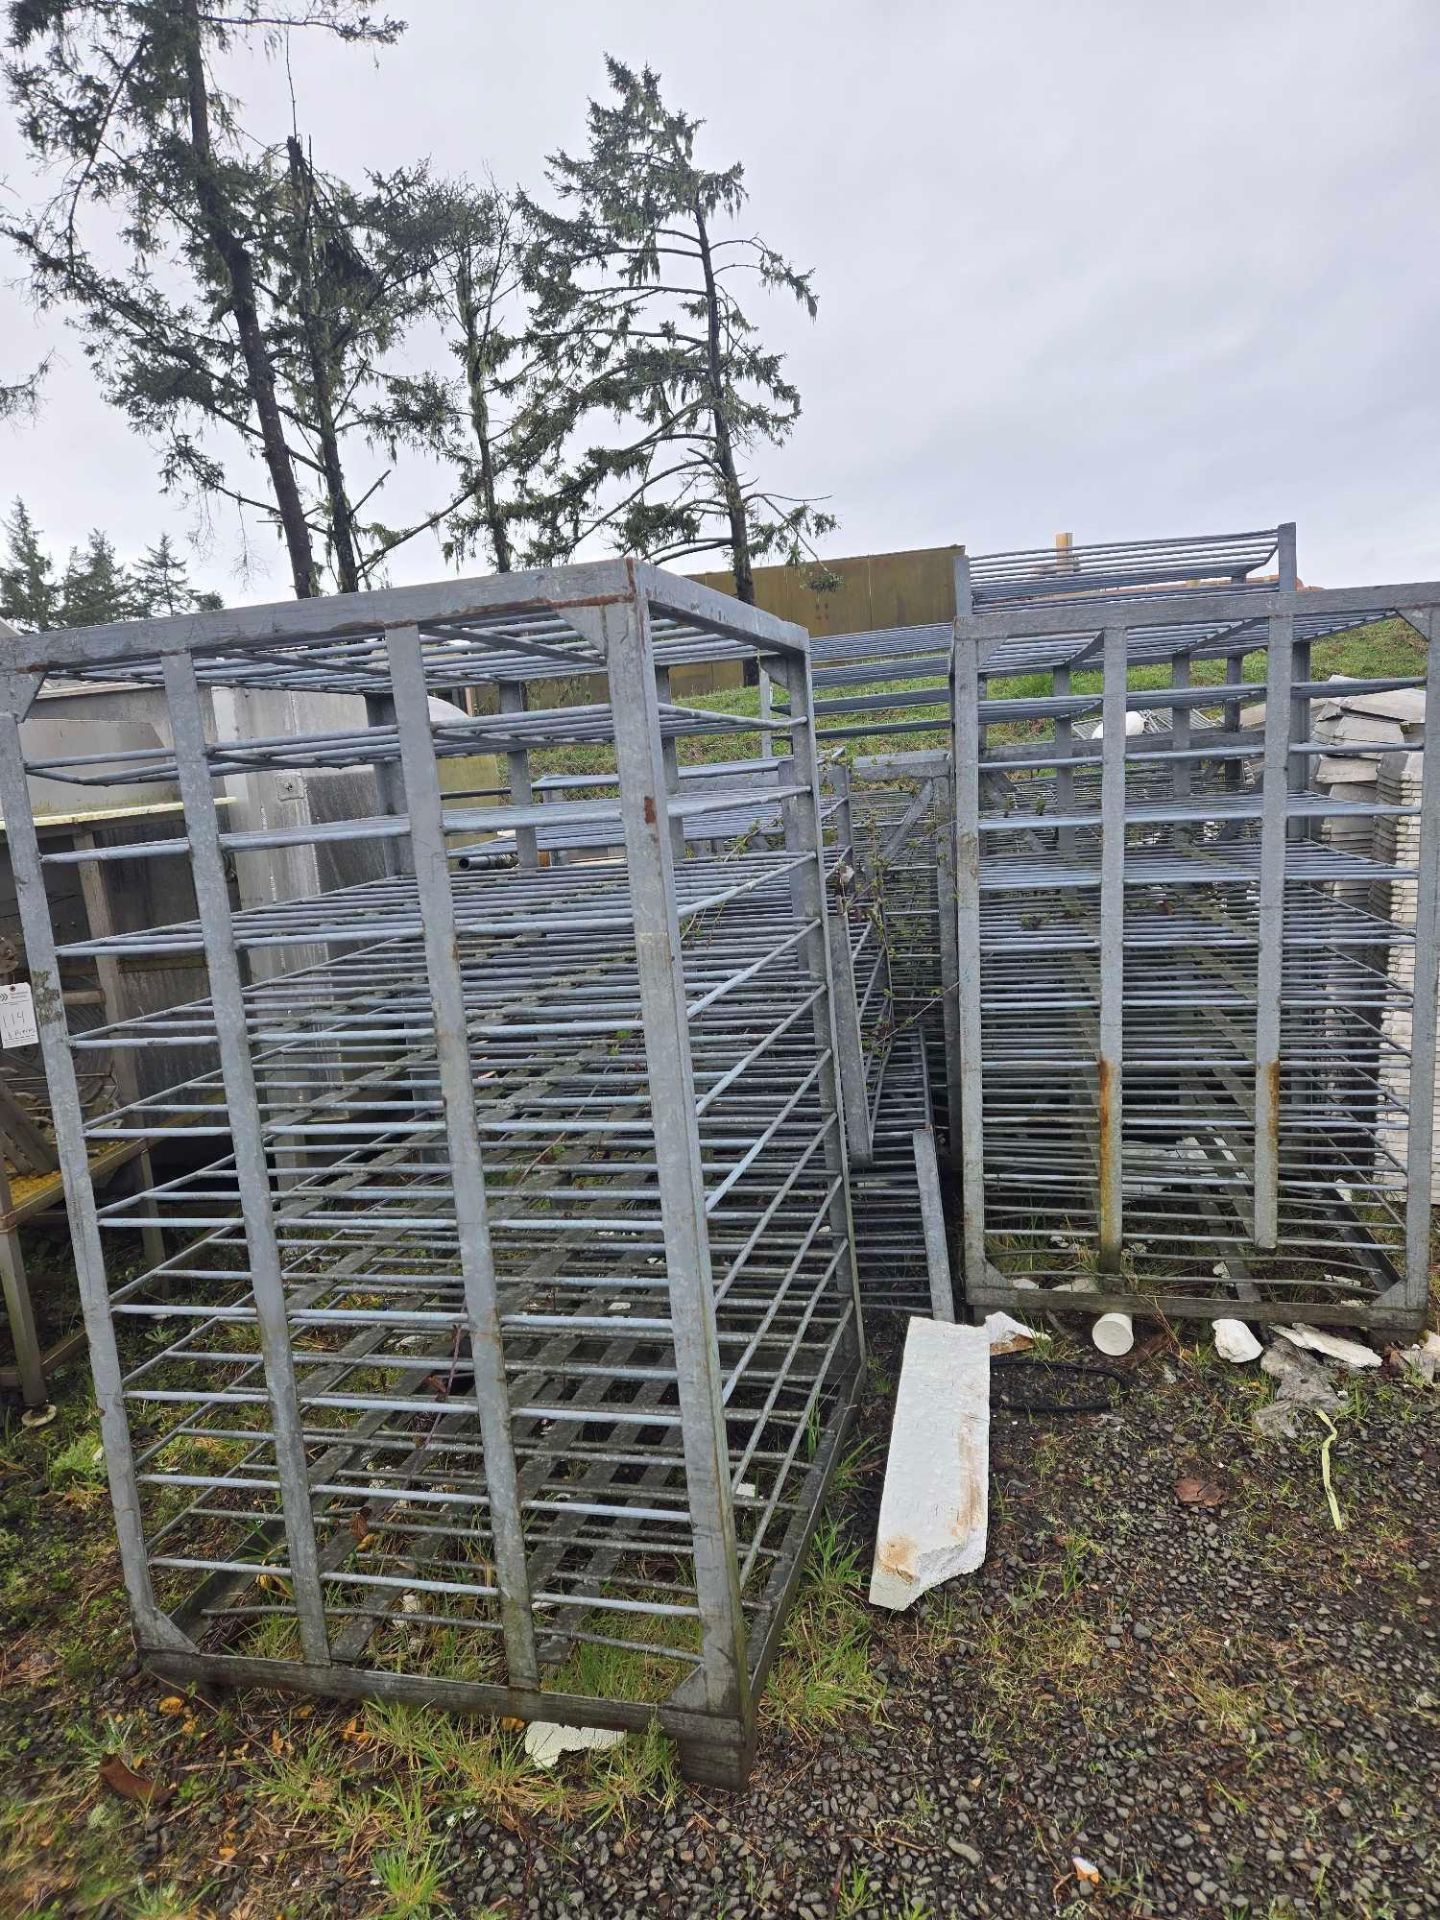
x: 1140, y: 1706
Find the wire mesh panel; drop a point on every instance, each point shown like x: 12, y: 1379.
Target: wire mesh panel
x: 506, y: 1331
x: 1192, y: 1072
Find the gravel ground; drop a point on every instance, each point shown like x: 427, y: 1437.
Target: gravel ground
x: 1226, y: 1708
x: 1221, y: 1709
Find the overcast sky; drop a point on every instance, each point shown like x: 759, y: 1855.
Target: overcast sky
x: 1113, y: 266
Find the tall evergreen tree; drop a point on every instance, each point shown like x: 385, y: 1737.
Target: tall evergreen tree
x: 160, y: 583
x: 94, y: 588
x: 354, y: 275
x: 120, y: 95
x: 474, y: 421
x: 29, y: 592
x: 654, y: 388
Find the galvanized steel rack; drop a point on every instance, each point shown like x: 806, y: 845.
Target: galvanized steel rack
x: 902, y: 838
x: 1190, y: 1077
x: 507, y: 1329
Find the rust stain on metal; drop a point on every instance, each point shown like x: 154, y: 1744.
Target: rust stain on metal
x: 1109, y: 1150
x: 649, y: 809
x: 1271, y: 1072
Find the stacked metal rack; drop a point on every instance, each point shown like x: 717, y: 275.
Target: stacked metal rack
x: 1183, y: 1082
x: 871, y: 689
x: 892, y: 849
x: 508, y: 1331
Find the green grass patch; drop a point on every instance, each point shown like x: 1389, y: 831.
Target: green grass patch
x: 824, y: 1673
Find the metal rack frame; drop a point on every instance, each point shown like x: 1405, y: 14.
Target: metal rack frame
x: 1177, y: 1090
x: 509, y: 1331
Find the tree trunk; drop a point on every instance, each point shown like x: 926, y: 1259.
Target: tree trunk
x: 724, y: 452
x: 235, y: 259
x: 476, y: 368
x: 319, y: 357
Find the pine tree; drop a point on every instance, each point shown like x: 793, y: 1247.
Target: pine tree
x: 160, y: 583
x: 95, y: 588
x: 29, y: 593
x: 19, y: 398
x: 654, y: 393
x: 353, y: 275
x: 120, y: 96
x: 474, y: 422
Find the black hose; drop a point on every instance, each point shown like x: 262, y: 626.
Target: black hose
x: 1009, y: 1394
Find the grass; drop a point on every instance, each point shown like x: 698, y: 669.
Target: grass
x: 465, y: 1765
x: 640, y: 1772
x: 411, y: 1883
x: 409, y: 1869
x: 824, y: 1672
x: 79, y: 1468
x: 263, y: 1787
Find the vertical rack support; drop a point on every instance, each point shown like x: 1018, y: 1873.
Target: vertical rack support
x: 1274, y: 827
x: 512, y: 700
x: 436, y: 902
x: 965, y: 705
x: 153, y: 1627
x: 801, y: 815
x: 252, y: 1173
x: 1420, y: 1139
x: 948, y: 944
x: 1110, y: 1065
x: 623, y: 628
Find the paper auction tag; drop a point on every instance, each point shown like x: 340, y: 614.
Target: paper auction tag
x: 17, y: 1016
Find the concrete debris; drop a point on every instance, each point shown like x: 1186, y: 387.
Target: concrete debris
x: 1235, y: 1342
x: 1370, y: 730
x: 1299, y: 1377
x: 1279, y: 1420
x: 1340, y: 770
x: 934, y: 1509
x: 1349, y: 1353
x: 1405, y: 704
x: 546, y: 1740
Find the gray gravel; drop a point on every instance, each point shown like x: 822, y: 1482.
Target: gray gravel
x: 1221, y: 1709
